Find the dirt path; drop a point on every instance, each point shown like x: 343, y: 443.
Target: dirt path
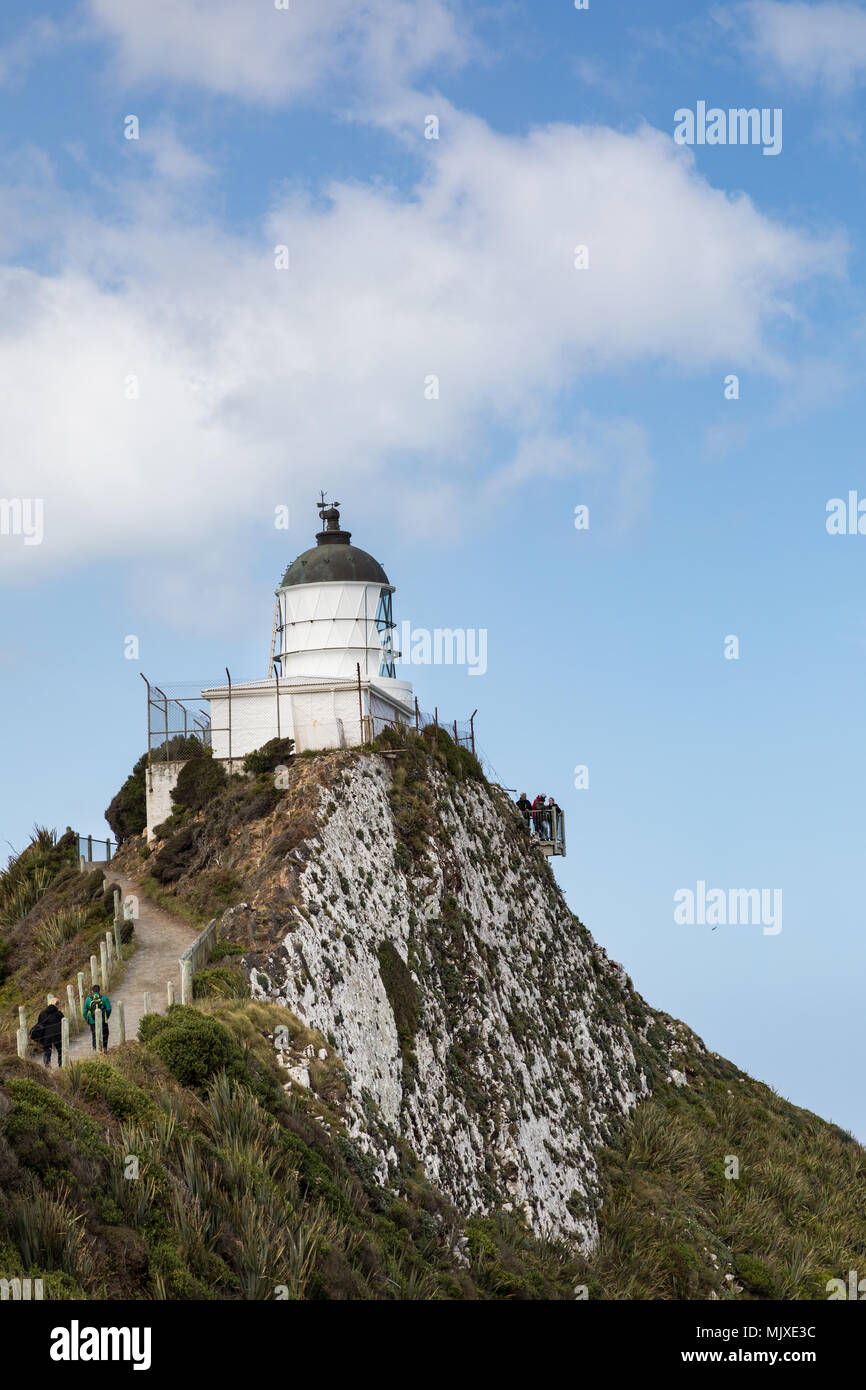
x: 162, y: 940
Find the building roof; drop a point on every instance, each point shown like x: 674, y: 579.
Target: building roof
x: 333, y: 559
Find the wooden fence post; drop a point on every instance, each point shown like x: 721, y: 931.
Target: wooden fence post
x: 103, y: 967
x: 118, y: 947
x: 169, y: 989
x: 121, y: 1021
x: 21, y: 1038
x: 186, y: 981
x: 116, y: 903
x: 64, y: 1043
x: 147, y: 1008
x: 94, y: 971
x: 70, y: 1003
x: 109, y: 949
x: 22, y: 1017
x: 97, y: 1015
x: 81, y: 994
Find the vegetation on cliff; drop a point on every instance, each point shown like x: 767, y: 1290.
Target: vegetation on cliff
x: 52, y: 918
x: 250, y: 1184
x: 179, y: 1167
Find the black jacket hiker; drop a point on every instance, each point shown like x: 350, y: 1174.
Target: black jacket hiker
x: 524, y: 806
x: 49, y: 1022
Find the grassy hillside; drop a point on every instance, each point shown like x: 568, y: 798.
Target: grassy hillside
x: 244, y: 1190
x: 186, y: 1164
x: 673, y: 1225
x: 52, y: 918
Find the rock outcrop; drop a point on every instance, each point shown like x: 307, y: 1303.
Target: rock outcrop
x: 401, y: 910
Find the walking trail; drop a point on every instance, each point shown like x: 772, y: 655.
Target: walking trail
x: 162, y: 940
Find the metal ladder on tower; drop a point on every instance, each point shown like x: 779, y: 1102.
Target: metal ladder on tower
x: 274, y: 638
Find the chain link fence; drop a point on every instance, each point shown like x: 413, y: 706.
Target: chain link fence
x: 179, y: 720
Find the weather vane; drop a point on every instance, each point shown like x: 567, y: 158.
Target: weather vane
x: 328, y: 512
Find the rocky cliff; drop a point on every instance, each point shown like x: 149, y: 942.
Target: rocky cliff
x: 393, y: 901
x: 407, y: 1066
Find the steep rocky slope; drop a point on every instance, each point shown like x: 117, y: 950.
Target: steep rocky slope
x: 393, y: 901
x: 409, y: 1072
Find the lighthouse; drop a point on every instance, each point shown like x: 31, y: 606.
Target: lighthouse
x: 334, y: 610
x: 331, y: 678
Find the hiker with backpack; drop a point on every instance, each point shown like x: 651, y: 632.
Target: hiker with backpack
x: 47, y: 1031
x: 95, y: 1001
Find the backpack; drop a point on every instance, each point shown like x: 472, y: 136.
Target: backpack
x: 36, y: 1032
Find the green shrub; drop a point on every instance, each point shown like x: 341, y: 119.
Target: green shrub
x: 101, y: 1081
x: 757, y: 1277
x: 278, y: 752
x: 180, y: 747
x: 227, y: 948
x: 170, y: 826
x: 193, y: 1046
x: 127, y: 811
x: 200, y: 780
x: 175, y: 856
x: 458, y: 760
x: 149, y: 1026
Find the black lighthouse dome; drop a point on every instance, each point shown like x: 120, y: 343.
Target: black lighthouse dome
x: 333, y: 559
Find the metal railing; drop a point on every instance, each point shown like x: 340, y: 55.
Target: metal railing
x: 86, y: 844
x: 546, y: 826
x: 176, y: 716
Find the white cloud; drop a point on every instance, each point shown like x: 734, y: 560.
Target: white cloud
x: 171, y: 157
x: 818, y: 44
x: 616, y: 451
x: 35, y: 39
x: 258, y: 385
x: 251, y: 50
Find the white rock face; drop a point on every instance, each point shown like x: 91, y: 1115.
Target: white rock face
x: 527, y: 1042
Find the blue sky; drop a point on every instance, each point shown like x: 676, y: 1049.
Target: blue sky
x: 153, y: 260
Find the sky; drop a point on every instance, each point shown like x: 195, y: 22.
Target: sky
x: 467, y: 269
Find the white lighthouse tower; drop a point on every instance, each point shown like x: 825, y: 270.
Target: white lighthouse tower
x: 331, y: 679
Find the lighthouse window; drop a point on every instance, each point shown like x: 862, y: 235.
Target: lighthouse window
x: 384, y: 627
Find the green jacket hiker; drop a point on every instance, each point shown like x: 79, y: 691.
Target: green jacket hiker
x: 95, y: 1001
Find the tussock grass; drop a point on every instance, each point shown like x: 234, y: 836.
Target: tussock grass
x: 59, y: 927
x: 672, y: 1225
x: 242, y: 1189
